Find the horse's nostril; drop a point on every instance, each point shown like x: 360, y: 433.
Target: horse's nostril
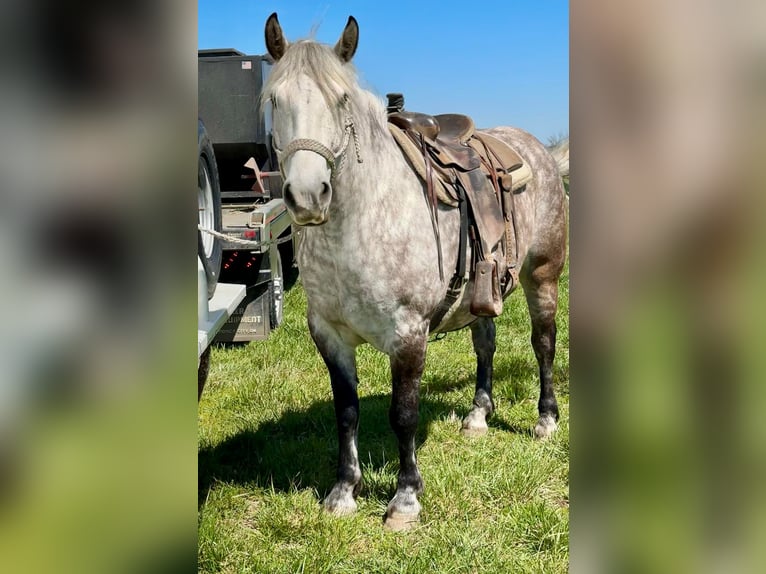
x: 325, y: 189
x: 287, y: 193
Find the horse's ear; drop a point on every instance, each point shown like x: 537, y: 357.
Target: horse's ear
x: 346, y: 46
x: 276, y: 43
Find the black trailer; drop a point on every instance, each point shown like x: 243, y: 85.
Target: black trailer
x: 253, y: 245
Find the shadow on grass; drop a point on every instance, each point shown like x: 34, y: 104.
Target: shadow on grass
x: 290, y: 276
x: 498, y: 422
x: 512, y: 373
x: 507, y: 372
x: 300, y: 449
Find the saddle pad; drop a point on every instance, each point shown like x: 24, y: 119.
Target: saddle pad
x: 445, y: 194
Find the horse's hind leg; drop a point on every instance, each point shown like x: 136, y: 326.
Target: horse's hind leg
x: 406, y: 369
x: 483, y: 335
x: 540, y: 283
x: 341, y: 363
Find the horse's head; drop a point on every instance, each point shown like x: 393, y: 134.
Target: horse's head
x: 311, y: 118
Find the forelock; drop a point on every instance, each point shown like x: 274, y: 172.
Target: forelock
x: 319, y: 62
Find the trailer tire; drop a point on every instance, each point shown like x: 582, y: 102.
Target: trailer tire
x: 209, y: 204
x: 276, y: 294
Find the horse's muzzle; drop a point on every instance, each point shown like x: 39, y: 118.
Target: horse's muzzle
x: 309, y: 219
x: 308, y: 208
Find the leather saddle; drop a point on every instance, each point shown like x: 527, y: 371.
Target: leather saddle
x: 478, y: 168
x: 447, y: 136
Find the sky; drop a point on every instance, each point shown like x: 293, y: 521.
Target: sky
x: 504, y: 62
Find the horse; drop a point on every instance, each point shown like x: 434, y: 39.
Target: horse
x: 368, y: 253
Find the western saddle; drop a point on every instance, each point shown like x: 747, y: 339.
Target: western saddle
x: 471, y: 171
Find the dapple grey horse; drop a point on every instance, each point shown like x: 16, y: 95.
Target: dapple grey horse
x: 368, y: 255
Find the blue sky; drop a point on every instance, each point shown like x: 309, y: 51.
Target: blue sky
x: 501, y: 62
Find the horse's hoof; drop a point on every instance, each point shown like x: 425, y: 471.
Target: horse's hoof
x: 474, y: 431
x: 399, y: 522
x: 545, y: 427
x: 339, y: 504
x: 474, y: 424
x: 403, y: 511
x: 344, y: 510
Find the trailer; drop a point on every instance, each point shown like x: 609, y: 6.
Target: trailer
x: 245, y: 233
x: 212, y: 315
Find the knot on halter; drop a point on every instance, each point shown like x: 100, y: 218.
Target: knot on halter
x: 334, y: 160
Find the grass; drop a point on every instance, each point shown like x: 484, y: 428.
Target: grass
x: 267, y: 455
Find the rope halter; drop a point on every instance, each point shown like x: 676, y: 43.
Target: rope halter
x: 334, y: 159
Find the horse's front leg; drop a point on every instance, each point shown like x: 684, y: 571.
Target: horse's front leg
x: 340, y: 359
x: 407, y: 364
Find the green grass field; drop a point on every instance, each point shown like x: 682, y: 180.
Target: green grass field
x: 267, y: 455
